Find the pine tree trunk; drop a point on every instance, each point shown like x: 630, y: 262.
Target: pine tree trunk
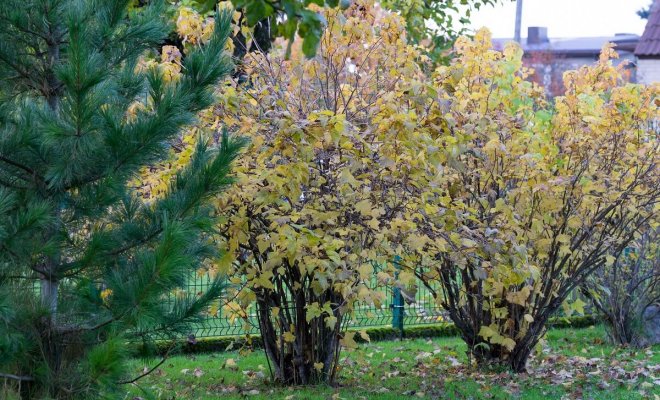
x: 49, y: 290
x: 52, y: 348
x: 50, y: 339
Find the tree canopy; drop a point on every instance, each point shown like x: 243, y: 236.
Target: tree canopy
x: 432, y: 24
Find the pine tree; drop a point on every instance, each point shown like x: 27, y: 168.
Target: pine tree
x: 85, y: 263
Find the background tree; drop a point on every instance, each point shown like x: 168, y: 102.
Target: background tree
x: 624, y: 290
x: 84, y: 263
x: 433, y: 24
x: 525, y: 200
x: 436, y: 24
x: 645, y: 13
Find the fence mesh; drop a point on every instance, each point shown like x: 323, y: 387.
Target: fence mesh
x: 410, y: 308
x: 419, y: 308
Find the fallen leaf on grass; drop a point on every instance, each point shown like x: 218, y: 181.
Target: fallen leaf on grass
x: 230, y: 364
x: 453, y: 361
x: 254, y: 374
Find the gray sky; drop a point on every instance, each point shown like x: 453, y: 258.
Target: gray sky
x: 565, y: 18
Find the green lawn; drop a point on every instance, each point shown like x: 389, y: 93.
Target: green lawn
x: 574, y: 364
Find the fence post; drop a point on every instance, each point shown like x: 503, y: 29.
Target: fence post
x: 397, y: 302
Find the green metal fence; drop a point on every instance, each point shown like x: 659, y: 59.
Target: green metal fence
x: 399, y: 309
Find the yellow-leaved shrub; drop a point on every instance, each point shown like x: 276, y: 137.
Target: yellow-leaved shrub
x: 318, y: 188
x: 529, y: 197
x: 499, y: 200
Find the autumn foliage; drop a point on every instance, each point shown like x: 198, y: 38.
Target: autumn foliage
x: 317, y: 188
x: 504, y: 200
x: 529, y: 198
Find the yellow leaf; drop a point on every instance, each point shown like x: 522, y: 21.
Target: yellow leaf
x: 500, y: 312
x: 366, y: 270
x: 224, y: 263
x: 609, y: 260
x: 231, y: 364
x: 313, y: 311
x: 416, y: 242
x: 105, y: 295
x: 574, y: 222
x: 364, y: 207
x: 578, y: 306
x: 263, y: 245
x: 565, y: 239
x: 509, y: 343
x: 289, y: 337
x: 214, y: 308
x: 331, y: 321
x: 348, y: 340
x: 496, y: 289
x: 487, y: 331
x: 519, y: 297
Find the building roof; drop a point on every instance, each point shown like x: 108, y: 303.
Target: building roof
x: 649, y: 43
x: 582, y: 46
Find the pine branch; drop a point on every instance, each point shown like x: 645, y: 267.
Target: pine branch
x: 162, y: 361
x: 22, y: 167
x: 16, y: 377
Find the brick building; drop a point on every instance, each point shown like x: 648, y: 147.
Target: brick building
x: 551, y: 57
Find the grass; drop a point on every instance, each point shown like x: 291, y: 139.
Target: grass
x: 574, y: 363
